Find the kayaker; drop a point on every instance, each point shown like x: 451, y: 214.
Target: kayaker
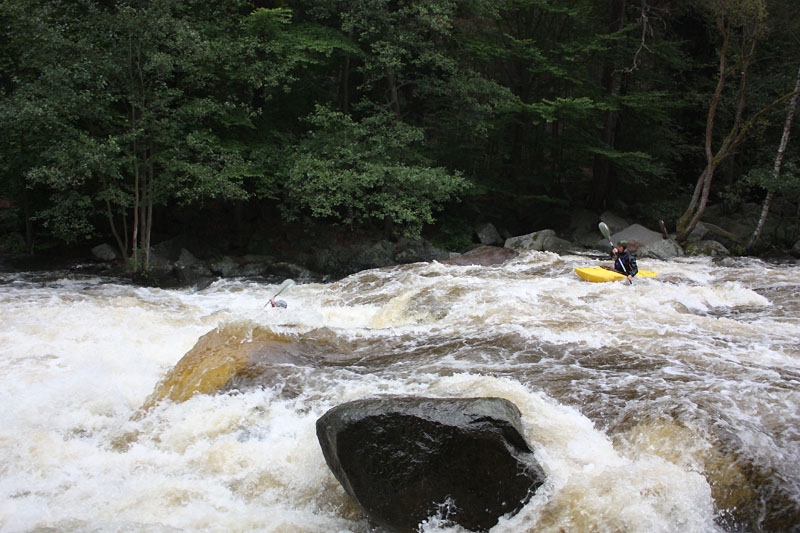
x: 624, y: 261
x: 278, y: 303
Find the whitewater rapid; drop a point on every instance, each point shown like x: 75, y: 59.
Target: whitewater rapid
x: 670, y: 405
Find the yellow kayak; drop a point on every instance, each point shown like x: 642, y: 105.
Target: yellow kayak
x: 604, y: 274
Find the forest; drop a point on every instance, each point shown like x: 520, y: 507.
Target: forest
x: 128, y: 120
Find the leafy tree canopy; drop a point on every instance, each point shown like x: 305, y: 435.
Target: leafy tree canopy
x: 361, y: 171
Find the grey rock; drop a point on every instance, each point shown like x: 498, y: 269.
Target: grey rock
x: 105, y: 252
x: 225, y: 267
x: 638, y: 234
x: 614, y: 222
x: 483, y: 255
x: 706, y: 247
x: 488, y: 234
x: 531, y: 241
x: 663, y: 249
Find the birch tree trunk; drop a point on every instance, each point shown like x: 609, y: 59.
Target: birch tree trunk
x: 777, y: 168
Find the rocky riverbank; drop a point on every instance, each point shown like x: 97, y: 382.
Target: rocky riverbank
x: 324, y: 253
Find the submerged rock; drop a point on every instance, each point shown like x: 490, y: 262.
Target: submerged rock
x: 404, y: 460
x: 236, y: 355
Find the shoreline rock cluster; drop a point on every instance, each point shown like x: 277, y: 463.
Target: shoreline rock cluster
x: 323, y: 254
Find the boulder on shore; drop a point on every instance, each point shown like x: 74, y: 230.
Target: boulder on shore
x: 403, y: 460
x: 105, y: 252
x: 637, y: 235
x: 540, y: 241
x: 483, y: 256
x: 707, y: 247
x: 487, y: 234
x: 664, y: 249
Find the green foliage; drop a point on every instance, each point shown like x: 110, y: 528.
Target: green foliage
x: 357, y: 172
x: 269, y: 22
x: 453, y: 233
x: 65, y: 217
x: 562, y: 108
x: 638, y: 168
x: 787, y: 183
x: 113, y: 108
x: 128, y: 106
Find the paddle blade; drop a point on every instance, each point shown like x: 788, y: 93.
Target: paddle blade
x: 283, y: 286
x: 605, y: 231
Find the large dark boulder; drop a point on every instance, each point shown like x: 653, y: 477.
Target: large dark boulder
x: 406, y: 459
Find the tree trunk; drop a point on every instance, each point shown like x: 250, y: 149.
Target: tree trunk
x: 691, y: 216
x: 345, y: 85
x: 344, y: 82
x: 601, y: 168
x: 26, y: 211
x: 148, y: 228
x: 135, y: 81
x: 777, y: 168
x: 143, y: 201
x: 736, y: 135
x: 121, y: 244
x: 394, y: 99
x: 136, y: 206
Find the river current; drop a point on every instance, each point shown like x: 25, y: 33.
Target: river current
x: 668, y: 405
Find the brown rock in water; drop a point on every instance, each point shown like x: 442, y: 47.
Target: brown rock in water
x: 218, y: 358
x: 404, y: 460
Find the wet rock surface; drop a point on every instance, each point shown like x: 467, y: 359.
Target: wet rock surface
x: 406, y: 459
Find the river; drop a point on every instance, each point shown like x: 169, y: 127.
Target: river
x: 668, y: 405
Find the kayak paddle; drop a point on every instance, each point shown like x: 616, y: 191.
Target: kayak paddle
x: 607, y: 234
x: 283, y: 286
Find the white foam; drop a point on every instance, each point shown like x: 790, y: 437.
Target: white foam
x: 78, y: 358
